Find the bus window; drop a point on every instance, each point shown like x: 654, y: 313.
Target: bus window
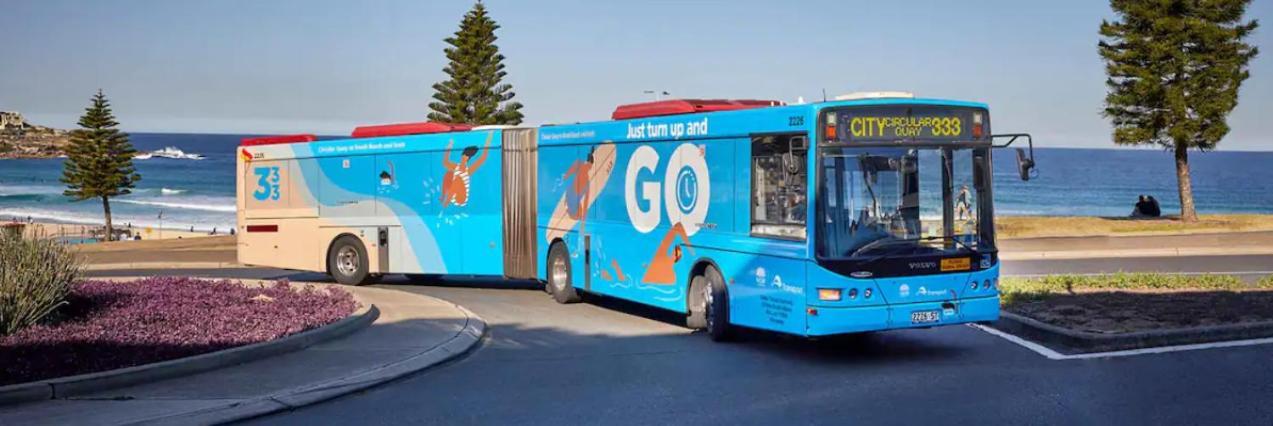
x: 778, y: 193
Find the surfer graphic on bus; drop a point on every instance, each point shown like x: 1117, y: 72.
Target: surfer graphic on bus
x: 577, y: 197
x: 456, y: 181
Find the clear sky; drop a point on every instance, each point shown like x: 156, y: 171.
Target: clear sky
x: 325, y: 66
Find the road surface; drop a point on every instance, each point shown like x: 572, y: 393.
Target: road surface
x: 611, y: 362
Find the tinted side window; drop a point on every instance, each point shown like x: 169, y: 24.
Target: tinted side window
x: 779, y: 196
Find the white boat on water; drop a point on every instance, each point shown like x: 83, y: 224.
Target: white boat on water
x: 168, y: 152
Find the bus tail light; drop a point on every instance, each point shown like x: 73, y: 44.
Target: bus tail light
x: 977, y: 131
x: 829, y: 294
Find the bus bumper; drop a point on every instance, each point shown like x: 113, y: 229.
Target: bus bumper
x: 829, y: 321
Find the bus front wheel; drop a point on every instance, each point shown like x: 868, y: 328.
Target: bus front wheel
x: 559, y: 283
x: 347, y: 262
x: 709, y: 305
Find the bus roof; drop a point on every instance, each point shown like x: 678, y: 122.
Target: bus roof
x: 717, y: 124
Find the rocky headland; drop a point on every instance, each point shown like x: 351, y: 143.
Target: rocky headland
x: 20, y: 139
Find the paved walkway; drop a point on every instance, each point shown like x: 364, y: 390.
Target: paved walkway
x: 412, y: 333
x: 1234, y: 243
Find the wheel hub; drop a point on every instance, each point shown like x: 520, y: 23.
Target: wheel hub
x: 347, y: 261
x: 559, y: 273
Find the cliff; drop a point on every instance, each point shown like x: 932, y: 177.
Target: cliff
x: 20, y: 139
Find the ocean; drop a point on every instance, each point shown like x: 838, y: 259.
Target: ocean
x: 1071, y: 182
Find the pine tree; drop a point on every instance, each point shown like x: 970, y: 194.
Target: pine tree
x: 473, y: 94
x: 1174, y: 69
x: 99, y: 159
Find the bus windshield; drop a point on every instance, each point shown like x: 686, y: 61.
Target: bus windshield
x: 899, y: 201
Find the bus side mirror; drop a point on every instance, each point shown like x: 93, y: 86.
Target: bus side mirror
x: 1024, y: 164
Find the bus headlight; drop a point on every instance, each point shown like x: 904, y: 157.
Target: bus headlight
x: 866, y: 293
x: 853, y: 293
x: 988, y: 284
x: 829, y: 294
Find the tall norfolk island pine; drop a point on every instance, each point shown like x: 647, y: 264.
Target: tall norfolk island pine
x: 99, y: 159
x: 473, y: 94
x: 1174, y: 70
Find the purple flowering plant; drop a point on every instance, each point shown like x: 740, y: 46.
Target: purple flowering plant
x: 107, y: 325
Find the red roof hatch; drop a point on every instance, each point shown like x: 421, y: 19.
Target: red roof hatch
x: 274, y: 140
x: 404, y: 129
x: 686, y: 106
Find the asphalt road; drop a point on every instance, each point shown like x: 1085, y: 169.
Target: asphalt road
x: 612, y: 362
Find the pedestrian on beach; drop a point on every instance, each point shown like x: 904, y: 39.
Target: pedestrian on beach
x: 963, y: 204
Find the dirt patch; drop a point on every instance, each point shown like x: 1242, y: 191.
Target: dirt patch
x: 1107, y: 312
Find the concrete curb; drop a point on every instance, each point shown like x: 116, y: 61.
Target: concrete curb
x: 64, y: 387
x: 1131, y: 253
x: 162, y: 265
x: 1070, y: 342
x: 461, y: 343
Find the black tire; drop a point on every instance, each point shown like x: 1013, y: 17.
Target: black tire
x: 696, y: 304
x: 559, y: 275
x: 717, y: 304
x: 347, y: 262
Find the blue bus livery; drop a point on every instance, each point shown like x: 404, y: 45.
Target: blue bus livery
x: 814, y: 219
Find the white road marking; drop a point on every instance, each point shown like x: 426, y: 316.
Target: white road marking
x: 1097, y: 274
x: 1057, y: 356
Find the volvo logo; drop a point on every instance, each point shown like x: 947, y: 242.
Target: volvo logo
x: 922, y: 265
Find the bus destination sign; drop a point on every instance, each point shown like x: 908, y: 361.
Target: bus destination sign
x: 904, y: 123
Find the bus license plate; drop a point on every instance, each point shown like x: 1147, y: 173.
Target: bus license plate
x: 924, y: 317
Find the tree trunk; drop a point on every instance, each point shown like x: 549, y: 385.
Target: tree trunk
x: 106, y: 207
x: 1187, y: 212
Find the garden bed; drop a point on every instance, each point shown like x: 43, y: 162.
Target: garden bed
x: 1129, y: 303
x: 107, y: 325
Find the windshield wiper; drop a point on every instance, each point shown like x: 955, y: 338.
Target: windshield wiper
x: 952, y: 238
x: 874, y: 243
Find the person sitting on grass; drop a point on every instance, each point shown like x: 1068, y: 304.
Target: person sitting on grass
x: 1152, y: 208
x: 1142, y: 207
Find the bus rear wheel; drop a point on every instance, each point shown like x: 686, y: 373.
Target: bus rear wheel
x: 559, y: 283
x: 709, y: 305
x: 347, y: 262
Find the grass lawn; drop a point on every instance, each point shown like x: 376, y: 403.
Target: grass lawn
x: 1122, y: 303
x: 1065, y: 226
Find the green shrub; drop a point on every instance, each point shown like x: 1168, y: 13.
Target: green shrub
x: 35, y: 277
x: 1016, y: 290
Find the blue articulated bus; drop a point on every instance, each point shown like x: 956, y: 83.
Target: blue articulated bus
x: 860, y: 214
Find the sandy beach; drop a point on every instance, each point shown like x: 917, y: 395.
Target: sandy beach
x: 74, y: 232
